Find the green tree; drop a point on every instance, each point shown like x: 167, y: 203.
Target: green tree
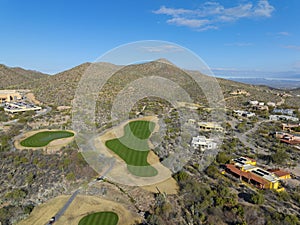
x: 222, y: 157
x: 279, y: 157
x: 71, y: 176
x: 257, y: 198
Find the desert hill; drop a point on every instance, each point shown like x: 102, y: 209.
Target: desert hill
x: 11, y: 76
x: 59, y: 89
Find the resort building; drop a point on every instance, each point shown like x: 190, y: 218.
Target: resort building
x: 281, y: 174
x: 20, y: 107
x: 9, y: 96
x: 245, y: 169
x: 210, y: 126
x: 244, y: 161
x: 202, y: 143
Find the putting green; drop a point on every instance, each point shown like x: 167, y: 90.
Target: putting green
x: 100, y: 218
x: 43, y: 138
x: 133, y: 147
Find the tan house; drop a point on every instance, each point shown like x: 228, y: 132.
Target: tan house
x: 9, y: 95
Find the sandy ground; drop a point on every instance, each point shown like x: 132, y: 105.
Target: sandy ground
x: 31, y: 98
x: 80, y: 207
x: 120, y: 173
x: 63, y: 107
x: 52, y: 147
x: 168, y: 186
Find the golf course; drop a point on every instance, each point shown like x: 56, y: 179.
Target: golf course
x: 99, y: 218
x: 133, y: 147
x: 43, y: 138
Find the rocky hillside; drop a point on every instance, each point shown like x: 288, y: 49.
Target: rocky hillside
x: 12, y: 76
x: 59, y: 89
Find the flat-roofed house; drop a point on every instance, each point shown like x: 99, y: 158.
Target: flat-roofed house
x: 245, y: 169
x: 254, y: 175
x: 9, y: 95
x: 202, y: 143
x: 281, y: 174
x: 210, y: 126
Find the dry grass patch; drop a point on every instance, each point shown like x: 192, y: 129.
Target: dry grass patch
x: 79, y: 208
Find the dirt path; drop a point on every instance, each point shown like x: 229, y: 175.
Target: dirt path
x: 243, y: 137
x: 30, y: 96
x: 281, y: 102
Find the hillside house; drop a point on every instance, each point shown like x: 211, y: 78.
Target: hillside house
x: 245, y: 169
x: 210, y: 126
x: 242, y: 113
x: 288, y: 112
x: 202, y: 143
x: 9, y: 95
x: 281, y: 174
x: 283, y: 118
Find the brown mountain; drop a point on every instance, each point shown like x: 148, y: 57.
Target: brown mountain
x: 59, y: 89
x: 12, y: 76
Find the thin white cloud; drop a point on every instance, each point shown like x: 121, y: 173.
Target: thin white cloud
x: 172, y: 12
x: 294, y: 47
x: 211, y: 14
x: 239, y: 44
x: 209, y: 27
x: 264, y: 9
x: 224, y: 69
x: 162, y: 49
x: 284, y: 33
x: 194, y: 23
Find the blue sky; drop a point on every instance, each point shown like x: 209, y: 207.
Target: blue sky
x: 238, y: 36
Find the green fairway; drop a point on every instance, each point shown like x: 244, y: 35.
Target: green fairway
x: 44, y: 138
x: 133, y: 147
x: 100, y: 218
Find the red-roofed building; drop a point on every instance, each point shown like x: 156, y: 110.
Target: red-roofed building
x: 281, y: 174
x: 262, y: 181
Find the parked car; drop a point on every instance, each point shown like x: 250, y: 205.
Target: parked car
x: 52, y: 220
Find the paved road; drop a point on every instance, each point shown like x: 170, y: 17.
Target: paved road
x: 73, y: 196
x: 65, y: 207
x: 41, y: 113
x: 10, y: 122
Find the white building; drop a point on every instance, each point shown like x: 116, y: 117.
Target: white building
x: 244, y: 113
x: 20, y: 107
x: 283, y: 117
x: 202, y: 143
x: 272, y: 104
x: 253, y: 102
x: 192, y: 122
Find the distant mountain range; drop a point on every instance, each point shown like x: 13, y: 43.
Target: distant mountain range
x: 271, y: 82
x: 281, y: 80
